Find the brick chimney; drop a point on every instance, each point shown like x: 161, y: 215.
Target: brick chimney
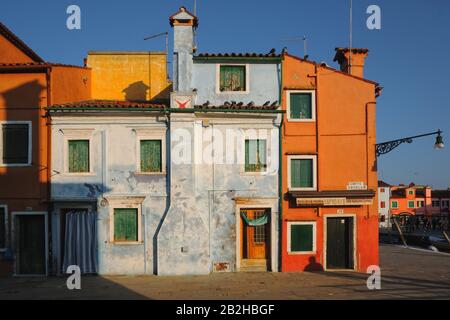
x: 358, y: 57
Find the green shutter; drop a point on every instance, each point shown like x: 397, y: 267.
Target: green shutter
x: 255, y: 155
x: 78, y: 156
x: 151, y: 156
x: 300, y: 106
x: 394, y: 204
x: 15, y: 143
x: 125, y: 225
x: 232, y: 78
x: 302, y: 238
x: 302, y: 173
x: 2, y: 228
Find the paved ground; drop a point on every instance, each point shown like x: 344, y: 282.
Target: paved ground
x: 406, y: 274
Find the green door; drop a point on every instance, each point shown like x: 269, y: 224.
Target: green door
x: 31, y: 244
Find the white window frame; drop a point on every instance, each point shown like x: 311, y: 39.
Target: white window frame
x: 151, y: 134
x: 392, y: 204
x: 313, y: 105
x: 5, y: 207
x: 30, y: 144
x: 125, y: 203
x: 78, y: 134
x: 247, y: 136
x: 290, y: 224
x: 247, y: 78
x: 303, y: 157
x: 414, y: 204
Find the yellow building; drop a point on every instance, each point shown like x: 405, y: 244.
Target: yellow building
x: 128, y: 75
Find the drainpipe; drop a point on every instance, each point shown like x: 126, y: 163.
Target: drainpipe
x: 367, y: 148
x: 280, y: 177
x: 48, y: 164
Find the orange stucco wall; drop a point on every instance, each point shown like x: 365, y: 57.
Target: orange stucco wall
x: 9, y: 53
x: 343, y: 137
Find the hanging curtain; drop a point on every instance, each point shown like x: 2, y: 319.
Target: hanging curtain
x: 81, y: 241
x: 261, y: 221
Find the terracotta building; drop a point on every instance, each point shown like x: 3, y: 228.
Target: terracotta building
x: 27, y: 85
x: 329, y: 209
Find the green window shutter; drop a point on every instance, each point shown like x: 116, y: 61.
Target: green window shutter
x: 302, y: 238
x: 302, y: 173
x: 2, y: 228
x: 15, y: 143
x: 394, y: 204
x: 232, y: 78
x: 78, y: 156
x: 300, y: 106
x: 410, y: 204
x: 151, y: 160
x: 125, y: 225
x: 255, y: 155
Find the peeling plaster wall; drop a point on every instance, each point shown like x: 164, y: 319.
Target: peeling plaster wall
x: 114, y: 161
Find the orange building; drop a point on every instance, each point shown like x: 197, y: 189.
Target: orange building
x: 329, y: 207
x: 27, y: 85
x: 412, y: 200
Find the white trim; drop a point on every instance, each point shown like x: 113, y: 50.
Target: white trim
x: 77, y: 134
x: 313, y: 105
x: 314, y: 235
x: 125, y: 203
x: 355, y: 229
x: 30, y: 213
x: 258, y: 203
x: 151, y: 134
x: 6, y: 235
x: 314, y: 169
x: 30, y: 144
x: 247, y: 78
x: 248, y: 135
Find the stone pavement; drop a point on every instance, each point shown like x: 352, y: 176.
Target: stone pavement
x: 406, y: 274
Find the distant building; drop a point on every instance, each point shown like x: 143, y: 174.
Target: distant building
x: 384, y: 204
x: 440, y: 200
x: 411, y: 200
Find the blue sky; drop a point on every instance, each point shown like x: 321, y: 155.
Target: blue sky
x: 408, y: 56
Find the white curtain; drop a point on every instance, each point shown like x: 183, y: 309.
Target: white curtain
x: 81, y: 241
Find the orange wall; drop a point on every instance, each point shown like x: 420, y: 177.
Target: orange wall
x: 70, y: 84
x: 10, y: 53
x: 343, y: 137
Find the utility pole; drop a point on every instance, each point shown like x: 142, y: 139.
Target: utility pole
x: 167, y: 47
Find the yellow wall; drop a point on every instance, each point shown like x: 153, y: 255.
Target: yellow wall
x: 129, y: 75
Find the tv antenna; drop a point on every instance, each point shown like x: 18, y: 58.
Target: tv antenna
x: 305, y: 44
x: 166, y: 34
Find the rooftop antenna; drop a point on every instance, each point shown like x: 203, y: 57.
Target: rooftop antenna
x: 350, y: 38
x: 305, y: 44
x: 195, y: 33
x: 167, y: 47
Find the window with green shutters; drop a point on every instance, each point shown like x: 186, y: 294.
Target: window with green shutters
x: 232, y: 78
x: 302, y: 175
x: 78, y: 156
x: 301, y: 106
x: 394, y: 204
x: 2, y: 228
x: 126, y: 225
x: 151, y: 156
x: 15, y: 143
x: 302, y: 237
x: 411, y: 204
x: 255, y: 155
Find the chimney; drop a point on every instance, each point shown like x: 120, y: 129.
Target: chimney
x: 183, y: 23
x: 358, y: 57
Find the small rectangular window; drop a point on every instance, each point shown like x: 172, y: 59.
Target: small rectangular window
x: 383, y: 204
x: 151, y: 160
x: 15, y: 143
x: 301, y: 170
x: 232, y: 78
x: 411, y: 204
x: 78, y: 156
x: 301, y: 106
x: 2, y: 228
x: 126, y: 225
x: 382, y: 190
x: 255, y: 155
x: 394, y: 204
x: 302, y: 237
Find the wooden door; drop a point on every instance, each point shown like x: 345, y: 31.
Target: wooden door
x: 255, y: 239
x: 340, y: 243
x: 31, y: 244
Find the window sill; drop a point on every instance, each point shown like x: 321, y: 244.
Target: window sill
x: 80, y: 174
x: 232, y: 92
x: 261, y: 173
x: 131, y: 243
x: 302, y: 189
x: 151, y: 173
x: 301, y: 253
x: 15, y: 165
x: 301, y: 120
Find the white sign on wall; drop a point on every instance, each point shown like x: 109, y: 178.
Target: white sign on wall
x: 356, y: 186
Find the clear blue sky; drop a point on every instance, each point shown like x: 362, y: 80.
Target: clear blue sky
x: 409, y: 56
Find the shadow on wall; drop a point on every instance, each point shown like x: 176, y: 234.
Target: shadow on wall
x: 136, y: 91
x: 313, y: 266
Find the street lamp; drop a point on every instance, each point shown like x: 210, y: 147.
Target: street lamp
x: 386, y: 147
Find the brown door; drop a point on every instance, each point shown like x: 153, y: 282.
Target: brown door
x: 255, y: 239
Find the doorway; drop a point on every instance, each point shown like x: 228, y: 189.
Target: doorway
x: 340, y: 243
x: 30, y: 235
x: 255, y: 235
